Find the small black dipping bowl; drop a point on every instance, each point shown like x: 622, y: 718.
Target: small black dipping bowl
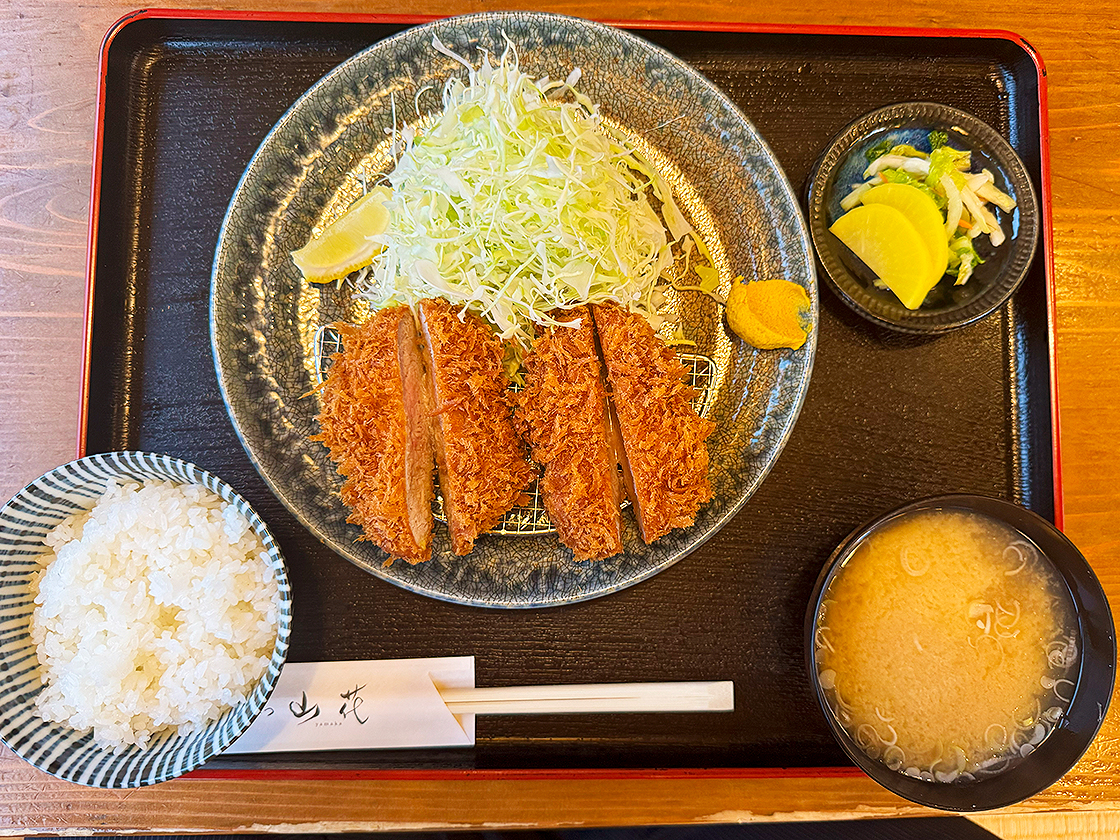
x: 1094, y: 677
x: 947, y: 306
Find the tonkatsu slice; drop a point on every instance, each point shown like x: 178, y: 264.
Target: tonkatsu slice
x: 483, y: 471
x: 375, y: 420
x: 662, y: 439
x: 564, y: 412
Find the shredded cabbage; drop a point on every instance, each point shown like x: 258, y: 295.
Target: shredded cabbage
x: 519, y: 200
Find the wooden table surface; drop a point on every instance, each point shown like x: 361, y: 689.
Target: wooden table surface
x: 48, y: 76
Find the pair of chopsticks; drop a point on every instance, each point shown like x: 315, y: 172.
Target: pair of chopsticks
x: 584, y: 699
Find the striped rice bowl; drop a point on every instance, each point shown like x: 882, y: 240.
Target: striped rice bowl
x: 140, y: 640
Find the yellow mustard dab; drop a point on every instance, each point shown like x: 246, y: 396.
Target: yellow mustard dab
x: 769, y: 314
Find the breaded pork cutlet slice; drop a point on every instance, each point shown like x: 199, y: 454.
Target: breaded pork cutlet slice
x: 563, y: 410
x: 483, y: 471
x: 663, y: 451
x: 375, y: 420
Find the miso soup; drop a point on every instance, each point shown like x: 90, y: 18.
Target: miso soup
x: 947, y: 645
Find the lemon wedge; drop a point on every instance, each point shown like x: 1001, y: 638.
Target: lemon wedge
x: 890, y: 246
x: 768, y: 314
x: 345, y: 245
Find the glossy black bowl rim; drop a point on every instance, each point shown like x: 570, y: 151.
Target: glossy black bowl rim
x: 1095, y: 681
x: 893, y: 315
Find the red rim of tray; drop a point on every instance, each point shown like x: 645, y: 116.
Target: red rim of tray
x: 712, y: 26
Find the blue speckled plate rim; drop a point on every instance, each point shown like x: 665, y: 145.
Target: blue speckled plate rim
x: 808, y: 349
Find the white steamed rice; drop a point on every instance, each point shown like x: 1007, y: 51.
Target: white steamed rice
x: 155, y: 609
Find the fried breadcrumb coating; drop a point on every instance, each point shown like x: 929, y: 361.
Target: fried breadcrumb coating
x: 366, y: 424
x: 563, y: 412
x: 483, y: 471
x: 663, y: 438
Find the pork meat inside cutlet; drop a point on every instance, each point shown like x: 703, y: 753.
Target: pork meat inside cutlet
x: 375, y: 422
x: 563, y: 410
x: 663, y: 452
x: 482, y: 467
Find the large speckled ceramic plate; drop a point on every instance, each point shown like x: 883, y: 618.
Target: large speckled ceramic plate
x: 264, y: 317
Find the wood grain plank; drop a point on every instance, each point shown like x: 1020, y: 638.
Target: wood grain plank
x: 1095, y: 826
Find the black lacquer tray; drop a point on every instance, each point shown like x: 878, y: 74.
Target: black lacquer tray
x: 187, y: 97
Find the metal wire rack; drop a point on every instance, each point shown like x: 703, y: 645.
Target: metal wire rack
x: 529, y: 519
